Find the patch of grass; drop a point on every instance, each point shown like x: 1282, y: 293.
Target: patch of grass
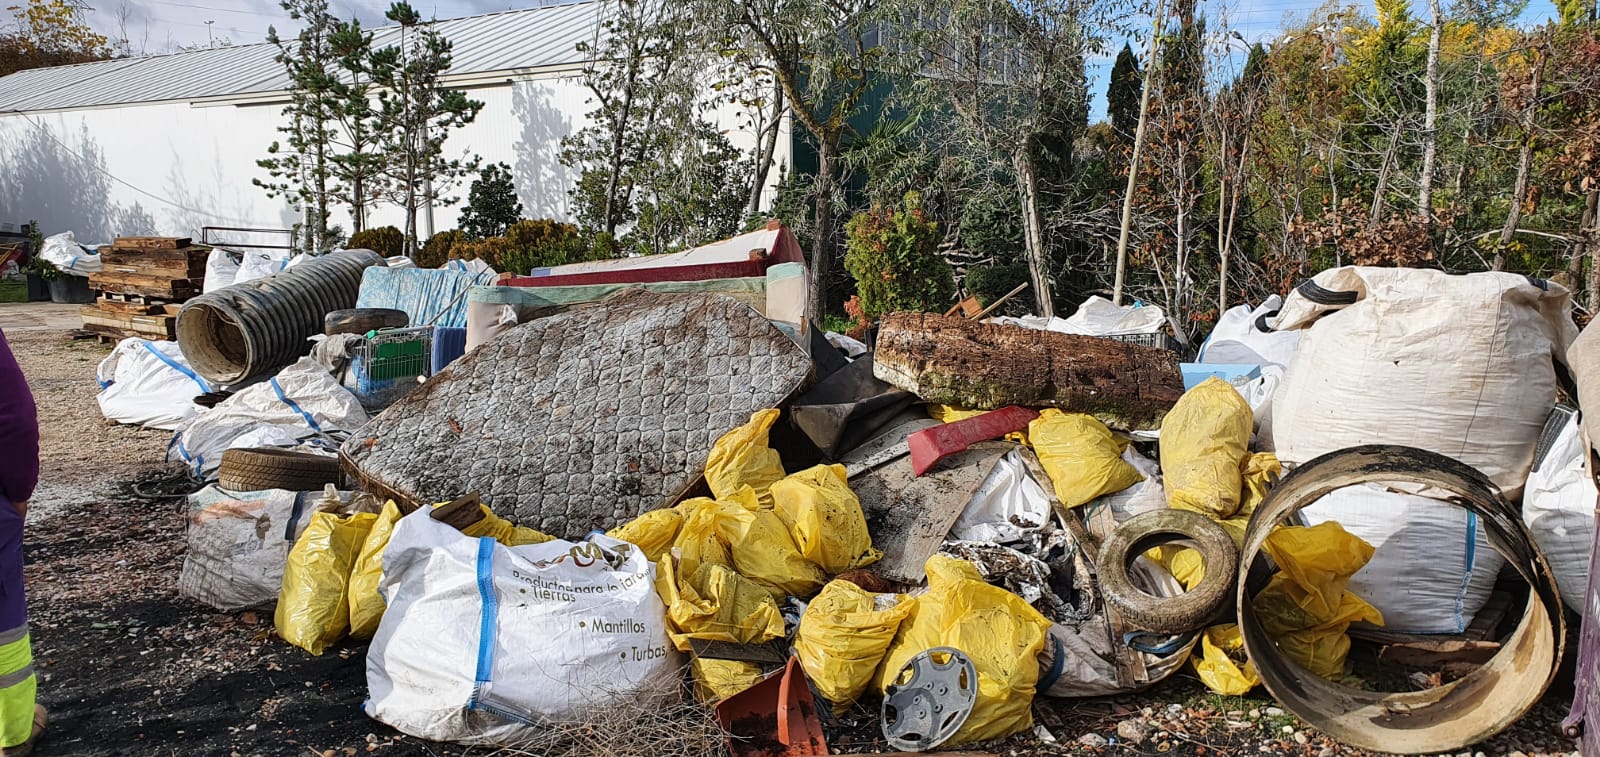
x: 13, y: 290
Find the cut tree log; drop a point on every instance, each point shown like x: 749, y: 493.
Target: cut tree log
x: 983, y: 366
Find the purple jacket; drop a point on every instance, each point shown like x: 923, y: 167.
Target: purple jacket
x: 19, y: 431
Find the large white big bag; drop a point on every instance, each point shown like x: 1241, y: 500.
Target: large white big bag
x: 1462, y: 365
x: 481, y: 642
x: 1432, y: 569
x: 1559, y: 507
x: 148, y: 383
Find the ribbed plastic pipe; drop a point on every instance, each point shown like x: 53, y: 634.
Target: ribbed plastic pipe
x: 247, y: 330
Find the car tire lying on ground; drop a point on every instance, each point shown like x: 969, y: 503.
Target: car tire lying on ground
x: 362, y: 320
x: 1186, y: 612
x: 249, y: 470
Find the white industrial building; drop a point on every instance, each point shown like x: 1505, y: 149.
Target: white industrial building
x: 168, y: 144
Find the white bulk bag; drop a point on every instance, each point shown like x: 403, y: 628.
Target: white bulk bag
x: 239, y: 544
x: 481, y: 642
x: 302, y: 401
x: 148, y: 384
x: 221, y: 270
x: 1239, y: 339
x: 1559, y: 506
x: 1461, y: 365
x: 1433, y: 568
x: 259, y: 264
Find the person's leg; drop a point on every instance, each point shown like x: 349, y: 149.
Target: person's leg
x: 18, y: 683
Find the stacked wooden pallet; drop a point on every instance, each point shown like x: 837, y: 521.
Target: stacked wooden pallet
x: 142, y: 284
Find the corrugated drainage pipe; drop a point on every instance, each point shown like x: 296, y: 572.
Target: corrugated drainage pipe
x: 248, y: 330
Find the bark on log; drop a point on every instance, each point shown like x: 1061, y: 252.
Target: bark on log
x: 983, y: 366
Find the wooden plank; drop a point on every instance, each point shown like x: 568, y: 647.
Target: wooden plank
x: 951, y: 360
x: 156, y: 323
x: 137, y: 256
x: 186, y: 271
x: 153, y: 243
x: 150, y: 286
x: 111, y: 295
x: 130, y: 308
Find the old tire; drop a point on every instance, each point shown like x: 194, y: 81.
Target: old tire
x: 248, y: 470
x: 1186, y: 612
x: 362, y: 320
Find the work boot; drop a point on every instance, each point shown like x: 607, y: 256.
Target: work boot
x: 40, y: 719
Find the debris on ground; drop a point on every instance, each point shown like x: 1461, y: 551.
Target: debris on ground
x: 671, y: 506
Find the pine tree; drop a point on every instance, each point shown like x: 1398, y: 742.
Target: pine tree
x: 416, y: 115
x: 492, y: 204
x: 301, y: 166
x: 358, y: 164
x: 1122, y: 93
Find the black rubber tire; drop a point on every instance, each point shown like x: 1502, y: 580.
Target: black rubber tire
x: 1186, y: 612
x: 248, y: 470
x: 362, y: 320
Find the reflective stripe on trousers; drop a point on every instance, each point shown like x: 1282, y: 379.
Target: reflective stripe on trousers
x: 18, y: 685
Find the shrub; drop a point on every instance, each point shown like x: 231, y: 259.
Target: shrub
x: 543, y: 243
x: 492, y: 251
x: 893, y: 255
x: 387, y: 241
x: 438, y: 248
x: 990, y: 283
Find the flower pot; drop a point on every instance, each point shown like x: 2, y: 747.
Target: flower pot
x: 72, y: 290
x: 38, y: 289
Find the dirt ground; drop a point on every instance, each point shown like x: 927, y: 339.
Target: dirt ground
x: 129, y: 668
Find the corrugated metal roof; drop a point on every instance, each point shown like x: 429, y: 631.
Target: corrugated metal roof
x: 504, y: 41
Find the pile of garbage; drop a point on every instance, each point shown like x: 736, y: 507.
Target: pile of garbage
x: 639, y: 484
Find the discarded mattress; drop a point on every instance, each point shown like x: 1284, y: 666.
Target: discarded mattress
x: 585, y: 419
x: 430, y: 297
x: 744, y: 256
x: 780, y: 294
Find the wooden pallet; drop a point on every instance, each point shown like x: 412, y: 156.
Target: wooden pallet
x: 125, y: 324
x: 158, y: 287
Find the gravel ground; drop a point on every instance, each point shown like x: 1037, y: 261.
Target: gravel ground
x: 128, y: 667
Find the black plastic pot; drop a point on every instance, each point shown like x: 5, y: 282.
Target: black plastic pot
x: 71, y: 290
x: 38, y: 290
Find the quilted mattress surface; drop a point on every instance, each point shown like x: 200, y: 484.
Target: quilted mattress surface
x: 585, y: 419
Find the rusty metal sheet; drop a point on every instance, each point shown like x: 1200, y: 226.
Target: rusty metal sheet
x: 1444, y: 718
x: 585, y: 419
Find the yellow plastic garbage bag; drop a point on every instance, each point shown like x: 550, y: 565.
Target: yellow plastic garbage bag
x: 1001, y: 633
x: 843, y: 636
x: 716, y: 680
x: 1261, y: 472
x: 742, y: 458
x: 825, y: 519
x: 366, y: 604
x: 1305, y: 607
x: 504, y: 531
x: 762, y: 549
x: 313, y: 605
x: 697, y: 542
x: 1221, y: 664
x: 1082, y: 458
x: 1205, y: 442
x: 653, y: 532
x: 716, y: 604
